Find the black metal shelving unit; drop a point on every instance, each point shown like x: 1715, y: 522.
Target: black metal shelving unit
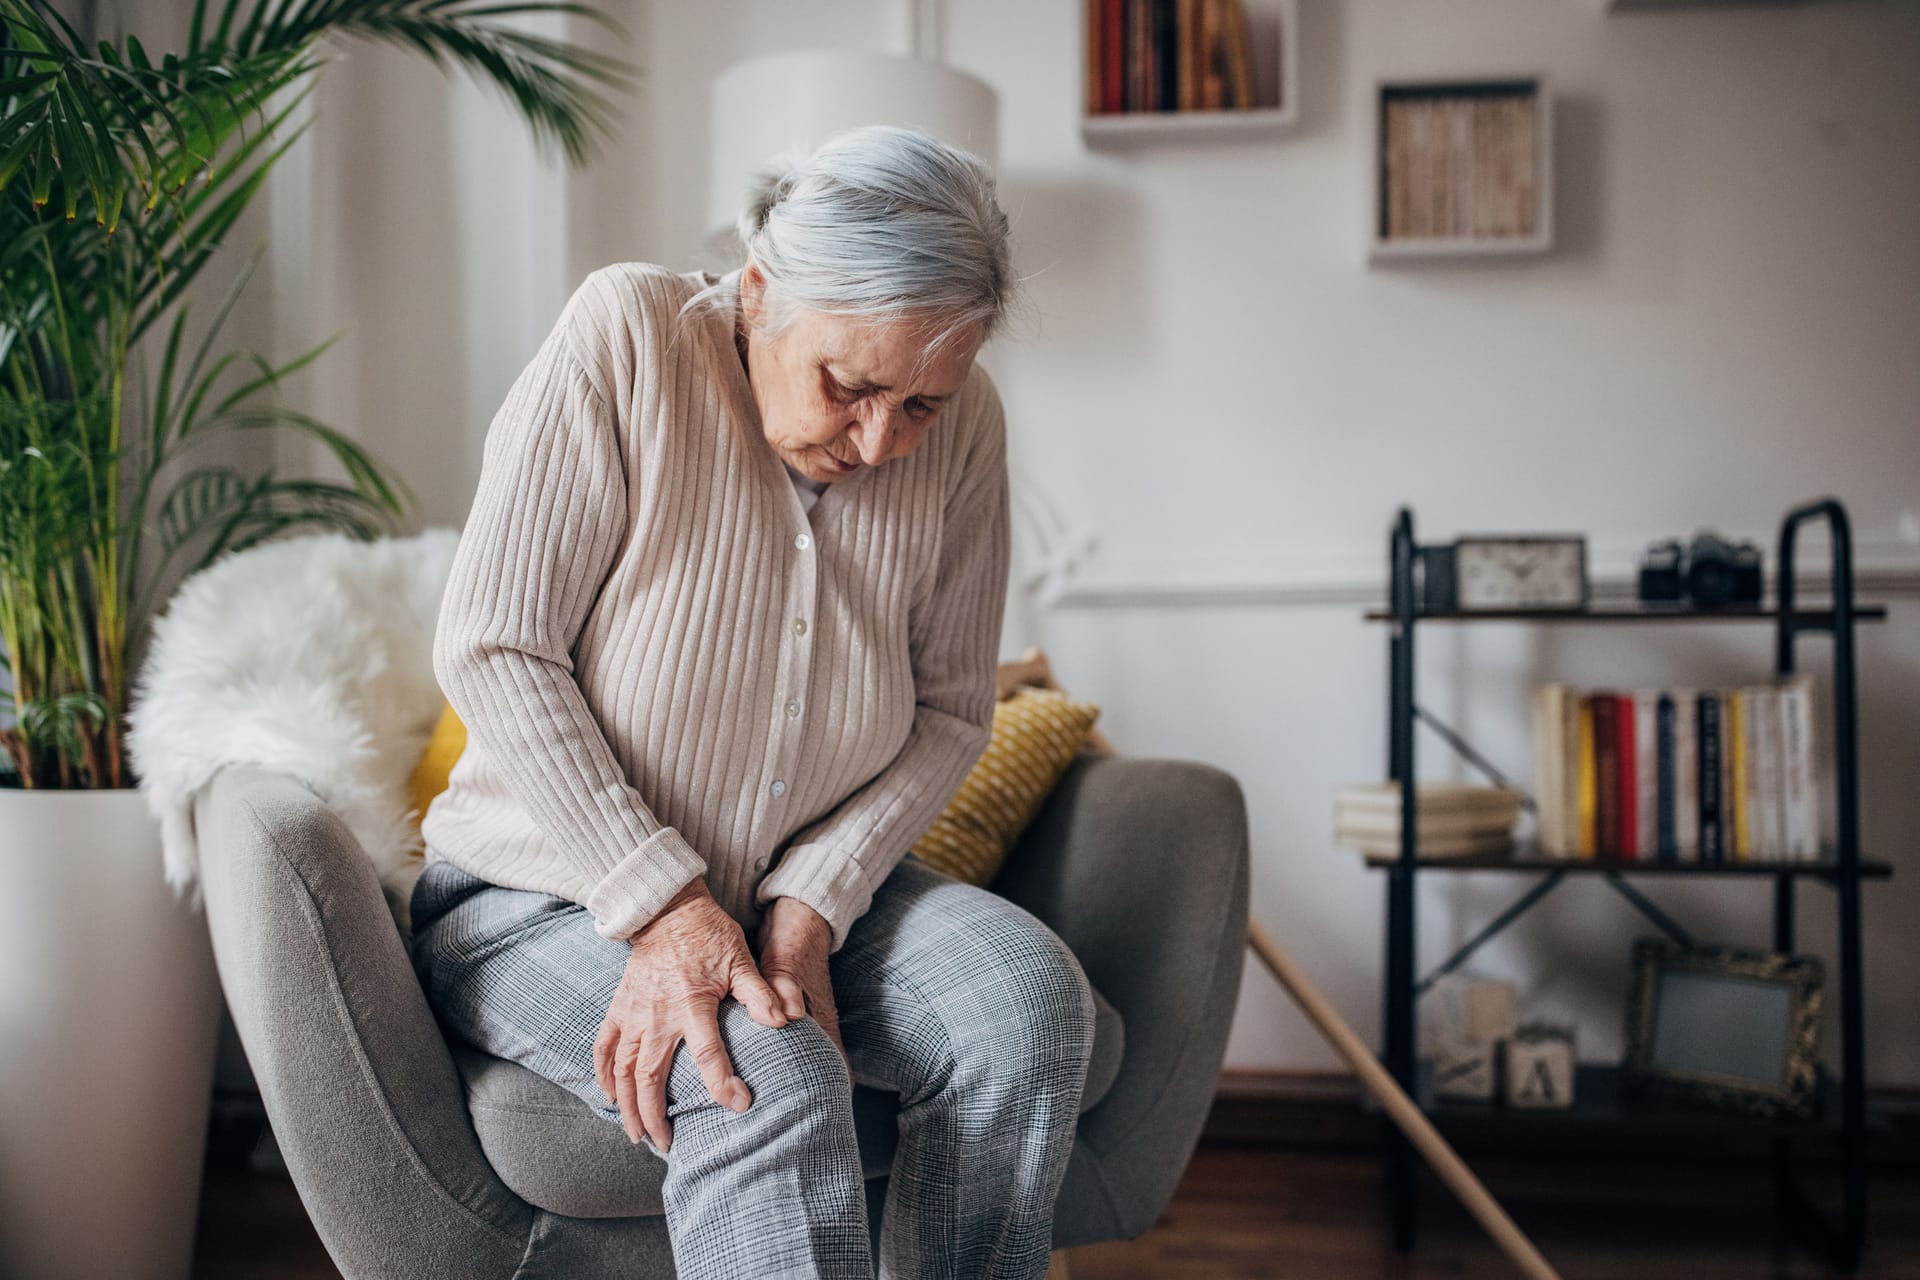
x: 1841, y: 1108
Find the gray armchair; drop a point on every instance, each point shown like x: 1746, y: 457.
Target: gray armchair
x: 418, y: 1158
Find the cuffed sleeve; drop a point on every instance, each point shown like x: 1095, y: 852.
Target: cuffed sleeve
x: 548, y: 521
x: 836, y: 863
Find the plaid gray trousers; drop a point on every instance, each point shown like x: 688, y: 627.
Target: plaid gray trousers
x: 964, y: 1003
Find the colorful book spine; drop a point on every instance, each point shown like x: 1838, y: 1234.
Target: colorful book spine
x: 1686, y: 775
x: 1796, y: 719
x: 1113, y: 60
x: 1712, y: 835
x: 1727, y: 772
x: 1739, y: 730
x: 1666, y: 842
x: 1589, y: 787
x: 1627, y: 824
x: 1646, y: 772
x: 1771, y: 828
x: 1606, y: 774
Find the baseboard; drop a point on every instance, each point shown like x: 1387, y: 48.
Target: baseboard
x: 1327, y: 1111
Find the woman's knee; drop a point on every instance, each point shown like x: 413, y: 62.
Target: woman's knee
x: 1026, y: 1000
x: 794, y: 1070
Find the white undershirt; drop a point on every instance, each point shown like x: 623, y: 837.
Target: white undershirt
x: 807, y: 490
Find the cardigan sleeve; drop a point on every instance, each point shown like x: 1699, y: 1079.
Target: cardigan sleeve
x: 835, y: 864
x: 548, y: 520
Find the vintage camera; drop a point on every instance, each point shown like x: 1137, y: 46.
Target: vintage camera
x: 1709, y: 571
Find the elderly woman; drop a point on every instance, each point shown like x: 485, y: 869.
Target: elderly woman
x: 722, y: 626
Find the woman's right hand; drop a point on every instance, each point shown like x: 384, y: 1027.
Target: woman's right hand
x: 683, y: 963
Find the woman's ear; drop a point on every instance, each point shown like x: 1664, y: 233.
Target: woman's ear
x: 753, y: 291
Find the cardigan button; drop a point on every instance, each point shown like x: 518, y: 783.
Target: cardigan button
x: 802, y: 541
x: 799, y: 626
x: 778, y: 788
x: 793, y: 710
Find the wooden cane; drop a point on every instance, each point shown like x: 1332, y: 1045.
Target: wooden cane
x: 1412, y: 1121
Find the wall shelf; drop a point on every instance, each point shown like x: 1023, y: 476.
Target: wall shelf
x: 1839, y: 867
x: 1462, y: 169
x: 1273, y: 35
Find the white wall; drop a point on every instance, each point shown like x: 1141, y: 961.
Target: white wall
x: 1230, y: 403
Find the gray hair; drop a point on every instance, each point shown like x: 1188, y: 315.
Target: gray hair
x: 881, y: 224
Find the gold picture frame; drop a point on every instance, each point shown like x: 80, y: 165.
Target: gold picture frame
x: 1730, y: 1028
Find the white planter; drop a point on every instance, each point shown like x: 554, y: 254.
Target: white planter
x: 109, y: 1015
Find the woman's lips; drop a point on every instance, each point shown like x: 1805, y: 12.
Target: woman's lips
x: 839, y: 467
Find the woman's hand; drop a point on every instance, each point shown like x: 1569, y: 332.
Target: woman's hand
x: 683, y: 963
x: 794, y: 939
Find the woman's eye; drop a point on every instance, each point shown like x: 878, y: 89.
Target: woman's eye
x: 922, y: 410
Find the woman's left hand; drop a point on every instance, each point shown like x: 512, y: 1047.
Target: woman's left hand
x: 794, y: 939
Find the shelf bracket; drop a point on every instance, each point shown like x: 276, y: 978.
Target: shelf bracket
x: 1471, y: 756
x: 1519, y: 907
x: 1646, y: 907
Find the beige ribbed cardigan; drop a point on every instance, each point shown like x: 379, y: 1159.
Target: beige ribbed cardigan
x: 669, y: 668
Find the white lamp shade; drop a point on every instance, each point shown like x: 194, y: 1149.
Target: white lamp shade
x: 789, y: 103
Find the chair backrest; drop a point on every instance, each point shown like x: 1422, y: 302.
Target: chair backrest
x: 357, y: 1080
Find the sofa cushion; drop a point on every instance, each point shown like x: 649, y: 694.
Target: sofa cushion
x: 556, y: 1153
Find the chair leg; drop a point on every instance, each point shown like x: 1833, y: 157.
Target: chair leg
x: 1057, y: 1266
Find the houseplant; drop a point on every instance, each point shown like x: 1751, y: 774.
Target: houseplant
x: 121, y: 174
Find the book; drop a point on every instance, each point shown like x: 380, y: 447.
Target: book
x: 1096, y: 53
x: 1113, y: 60
x: 1686, y: 776
x: 1796, y: 716
x: 1386, y: 850
x: 1712, y: 837
x: 1666, y: 845
x: 1457, y: 798
x: 1431, y: 824
x: 1769, y: 817
x: 1606, y: 773
x: 1212, y: 85
x: 1556, y: 772
x: 1589, y: 781
x: 1394, y: 170
x: 1569, y: 725
x: 1239, y: 57
x: 1627, y: 821
x: 1186, y: 40
x: 1646, y: 773
x: 1166, y: 58
x: 1727, y: 774
x: 1543, y: 708
x: 1740, y: 743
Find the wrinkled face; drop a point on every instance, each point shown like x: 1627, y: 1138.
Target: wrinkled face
x: 836, y: 395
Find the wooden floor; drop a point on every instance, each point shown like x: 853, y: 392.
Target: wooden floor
x: 1245, y: 1212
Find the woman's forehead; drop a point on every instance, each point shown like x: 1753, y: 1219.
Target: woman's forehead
x: 886, y: 354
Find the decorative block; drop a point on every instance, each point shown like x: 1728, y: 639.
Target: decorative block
x: 1473, y: 1010
x: 1463, y: 1070
x: 1539, y: 1066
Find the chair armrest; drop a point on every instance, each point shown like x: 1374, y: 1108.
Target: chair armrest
x: 357, y: 1081
x: 1140, y: 866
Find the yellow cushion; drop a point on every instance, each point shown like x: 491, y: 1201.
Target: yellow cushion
x: 1036, y: 735
x: 436, y: 763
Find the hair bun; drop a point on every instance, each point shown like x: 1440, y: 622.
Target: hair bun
x: 770, y: 184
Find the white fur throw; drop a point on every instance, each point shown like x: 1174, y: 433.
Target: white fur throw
x: 312, y: 655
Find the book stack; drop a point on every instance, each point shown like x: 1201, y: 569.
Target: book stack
x: 1457, y: 820
x: 1678, y: 775
x: 1460, y: 165
x: 1167, y: 55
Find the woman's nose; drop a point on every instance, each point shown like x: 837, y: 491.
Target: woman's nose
x: 875, y: 435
